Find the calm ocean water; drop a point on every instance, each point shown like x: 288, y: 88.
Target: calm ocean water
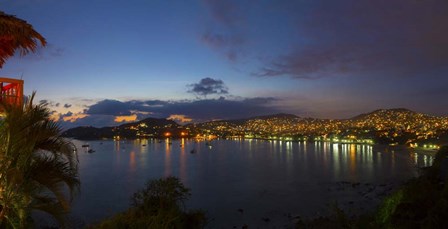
x: 266, y: 179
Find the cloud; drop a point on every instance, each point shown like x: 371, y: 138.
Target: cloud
x: 319, y: 39
x: 182, y: 119
x: 72, y: 117
x: 126, y: 118
x: 109, y: 112
x: 208, y: 109
x: 386, y: 38
x: 229, y: 44
x: 208, y: 86
x: 225, y: 33
x: 44, y: 53
x: 89, y: 120
x: 228, y: 13
x: 110, y: 107
x: 49, y: 103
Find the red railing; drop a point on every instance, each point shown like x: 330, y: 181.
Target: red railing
x: 11, y: 91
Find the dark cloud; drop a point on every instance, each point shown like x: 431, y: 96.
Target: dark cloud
x: 352, y: 37
x: 208, y: 86
x: 49, y: 103
x: 228, y: 13
x: 202, y: 110
x: 68, y: 114
x: 67, y: 105
x: 381, y: 38
x: 110, y: 107
x: 149, y: 103
x: 103, y: 112
x: 91, y: 120
x: 226, y: 33
x: 229, y: 44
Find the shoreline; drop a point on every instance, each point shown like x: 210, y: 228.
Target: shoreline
x: 377, y: 147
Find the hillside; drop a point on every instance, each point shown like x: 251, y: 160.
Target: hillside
x: 384, y: 125
x: 150, y: 127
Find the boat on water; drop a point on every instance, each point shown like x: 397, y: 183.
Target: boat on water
x: 90, y: 151
x: 208, y: 144
x: 85, y: 145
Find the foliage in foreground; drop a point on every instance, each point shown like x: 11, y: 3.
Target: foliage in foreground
x: 37, y: 166
x: 420, y: 203
x: 159, y: 205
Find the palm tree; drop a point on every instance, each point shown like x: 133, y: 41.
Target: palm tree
x: 17, y: 34
x: 38, y: 168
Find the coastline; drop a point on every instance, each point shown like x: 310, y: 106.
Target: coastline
x: 376, y: 147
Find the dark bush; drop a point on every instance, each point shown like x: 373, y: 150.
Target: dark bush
x: 159, y: 205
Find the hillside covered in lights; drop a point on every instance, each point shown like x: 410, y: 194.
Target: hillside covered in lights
x: 391, y: 126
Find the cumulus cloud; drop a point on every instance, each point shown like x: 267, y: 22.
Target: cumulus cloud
x: 208, y: 86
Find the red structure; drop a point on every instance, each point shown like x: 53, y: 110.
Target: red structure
x: 11, y: 91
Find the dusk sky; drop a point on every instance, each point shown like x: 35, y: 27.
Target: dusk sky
x: 112, y: 61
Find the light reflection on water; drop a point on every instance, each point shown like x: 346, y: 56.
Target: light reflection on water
x: 262, y: 177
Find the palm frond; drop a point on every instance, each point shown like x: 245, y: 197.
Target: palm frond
x: 17, y: 34
x: 39, y: 168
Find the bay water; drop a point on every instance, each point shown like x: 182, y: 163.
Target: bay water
x: 259, y: 183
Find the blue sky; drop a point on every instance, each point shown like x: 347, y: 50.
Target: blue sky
x: 327, y: 59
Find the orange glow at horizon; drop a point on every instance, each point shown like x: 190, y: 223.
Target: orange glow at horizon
x: 74, y: 117
x: 55, y: 117
x: 180, y: 118
x: 126, y: 118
